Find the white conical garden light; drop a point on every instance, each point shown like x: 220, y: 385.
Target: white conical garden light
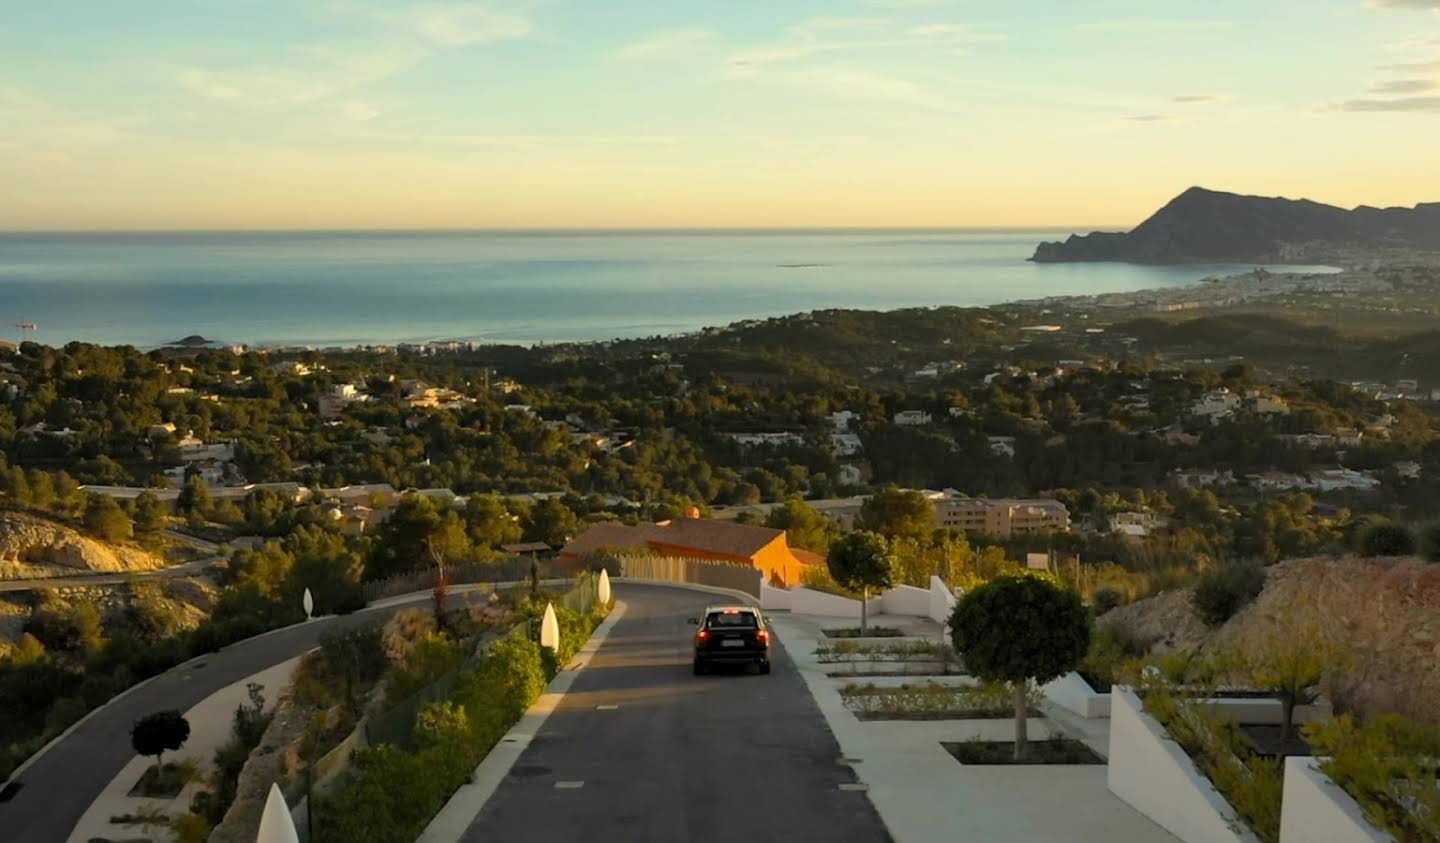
x: 603, y: 591
x: 550, y: 629
x: 275, y: 824
x: 309, y: 603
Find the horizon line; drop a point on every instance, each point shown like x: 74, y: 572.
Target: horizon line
x: 797, y: 229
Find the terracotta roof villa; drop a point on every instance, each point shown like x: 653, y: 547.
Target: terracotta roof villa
x: 702, y: 538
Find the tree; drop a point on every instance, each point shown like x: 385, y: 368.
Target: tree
x: 1018, y: 629
x: 149, y: 513
x: 446, y: 541
x: 552, y: 522
x: 156, y: 733
x: 861, y: 561
x: 105, y: 519
x: 490, y: 521
x: 803, y: 525
x: 898, y: 512
x: 1290, y: 661
x: 357, y: 655
x: 194, y: 498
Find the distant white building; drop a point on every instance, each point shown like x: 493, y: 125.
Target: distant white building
x: 1138, y: 524
x: 846, y: 444
x: 1216, y: 405
x: 912, y: 418
x: 1002, y: 445
x: 771, y: 439
x: 1201, y: 478
x: 840, y: 420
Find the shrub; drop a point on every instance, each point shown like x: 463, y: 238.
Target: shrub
x: 1106, y: 599
x: 1251, y: 784
x: 1388, y: 766
x: 1223, y: 591
x: 1113, y: 646
x: 1430, y: 542
x: 1387, y: 540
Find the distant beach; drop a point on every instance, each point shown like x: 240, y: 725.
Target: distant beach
x: 356, y: 288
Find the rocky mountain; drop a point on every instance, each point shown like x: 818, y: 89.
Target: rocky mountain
x: 36, y: 547
x: 1385, y: 613
x: 1207, y: 226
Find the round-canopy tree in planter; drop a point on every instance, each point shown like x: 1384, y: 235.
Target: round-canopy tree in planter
x: 1018, y: 629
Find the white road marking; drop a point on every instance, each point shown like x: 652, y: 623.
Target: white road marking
x: 569, y: 785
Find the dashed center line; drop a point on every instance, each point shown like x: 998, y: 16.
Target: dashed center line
x: 569, y: 785
x: 606, y: 707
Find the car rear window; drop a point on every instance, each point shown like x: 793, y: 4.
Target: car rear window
x: 735, y: 620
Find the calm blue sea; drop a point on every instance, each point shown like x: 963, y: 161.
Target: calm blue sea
x: 347, y: 288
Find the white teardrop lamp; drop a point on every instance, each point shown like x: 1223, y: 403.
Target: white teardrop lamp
x: 603, y: 591
x: 275, y: 824
x: 309, y: 603
x: 550, y: 629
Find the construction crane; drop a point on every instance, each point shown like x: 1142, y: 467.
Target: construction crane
x: 27, y: 329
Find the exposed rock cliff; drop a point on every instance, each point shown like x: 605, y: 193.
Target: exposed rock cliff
x: 35, y: 547
x: 1207, y: 226
x: 1386, y: 611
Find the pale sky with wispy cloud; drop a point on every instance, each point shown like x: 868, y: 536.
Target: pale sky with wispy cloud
x: 683, y: 113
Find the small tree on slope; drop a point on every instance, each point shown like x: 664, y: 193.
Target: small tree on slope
x: 1018, y: 629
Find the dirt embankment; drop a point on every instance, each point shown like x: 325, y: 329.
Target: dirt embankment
x: 35, y: 547
x: 1385, y: 614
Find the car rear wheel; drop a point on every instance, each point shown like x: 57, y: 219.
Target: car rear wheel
x: 765, y: 667
x: 699, y: 668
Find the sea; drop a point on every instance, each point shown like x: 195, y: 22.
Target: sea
x: 347, y: 288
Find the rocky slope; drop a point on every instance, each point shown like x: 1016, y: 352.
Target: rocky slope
x: 36, y: 547
x: 1207, y: 226
x: 1386, y: 612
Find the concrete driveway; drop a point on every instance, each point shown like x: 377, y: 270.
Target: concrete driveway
x: 641, y: 750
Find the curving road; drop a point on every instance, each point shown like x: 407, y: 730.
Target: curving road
x: 60, y: 784
x: 729, y: 757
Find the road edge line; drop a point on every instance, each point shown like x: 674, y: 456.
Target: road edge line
x: 465, y: 804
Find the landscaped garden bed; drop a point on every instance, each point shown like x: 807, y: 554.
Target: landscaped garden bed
x: 893, y: 658
x: 930, y: 701
x: 870, y: 632
x: 1057, y: 750
x: 164, y: 782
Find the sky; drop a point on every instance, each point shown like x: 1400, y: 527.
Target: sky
x: 227, y: 114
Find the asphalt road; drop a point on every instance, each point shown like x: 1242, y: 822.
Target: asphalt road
x: 729, y: 757
x: 63, y: 782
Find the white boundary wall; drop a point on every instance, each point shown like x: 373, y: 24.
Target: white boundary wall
x: 942, y: 602
x: 805, y: 601
x: 1072, y: 693
x: 906, y: 600
x: 1154, y: 775
x: 1315, y: 809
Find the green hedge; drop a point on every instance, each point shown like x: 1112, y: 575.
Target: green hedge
x: 389, y: 795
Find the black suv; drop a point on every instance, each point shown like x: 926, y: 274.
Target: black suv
x: 731, y: 635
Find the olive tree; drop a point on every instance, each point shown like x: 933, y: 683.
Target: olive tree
x: 861, y: 561
x: 1017, y: 629
x: 156, y: 733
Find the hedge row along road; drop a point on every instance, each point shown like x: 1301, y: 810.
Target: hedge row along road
x: 727, y: 757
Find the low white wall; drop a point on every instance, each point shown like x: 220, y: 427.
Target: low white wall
x: 941, y: 603
x: 805, y: 601
x: 1072, y: 693
x: 1315, y: 808
x: 1153, y: 774
x: 906, y: 600
x: 772, y: 597
x: 1259, y: 711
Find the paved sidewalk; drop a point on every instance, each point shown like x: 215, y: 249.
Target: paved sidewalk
x: 210, y: 726
x: 923, y: 794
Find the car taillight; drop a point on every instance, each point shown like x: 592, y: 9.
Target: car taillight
x: 702, y: 635
x: 763, y: 635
